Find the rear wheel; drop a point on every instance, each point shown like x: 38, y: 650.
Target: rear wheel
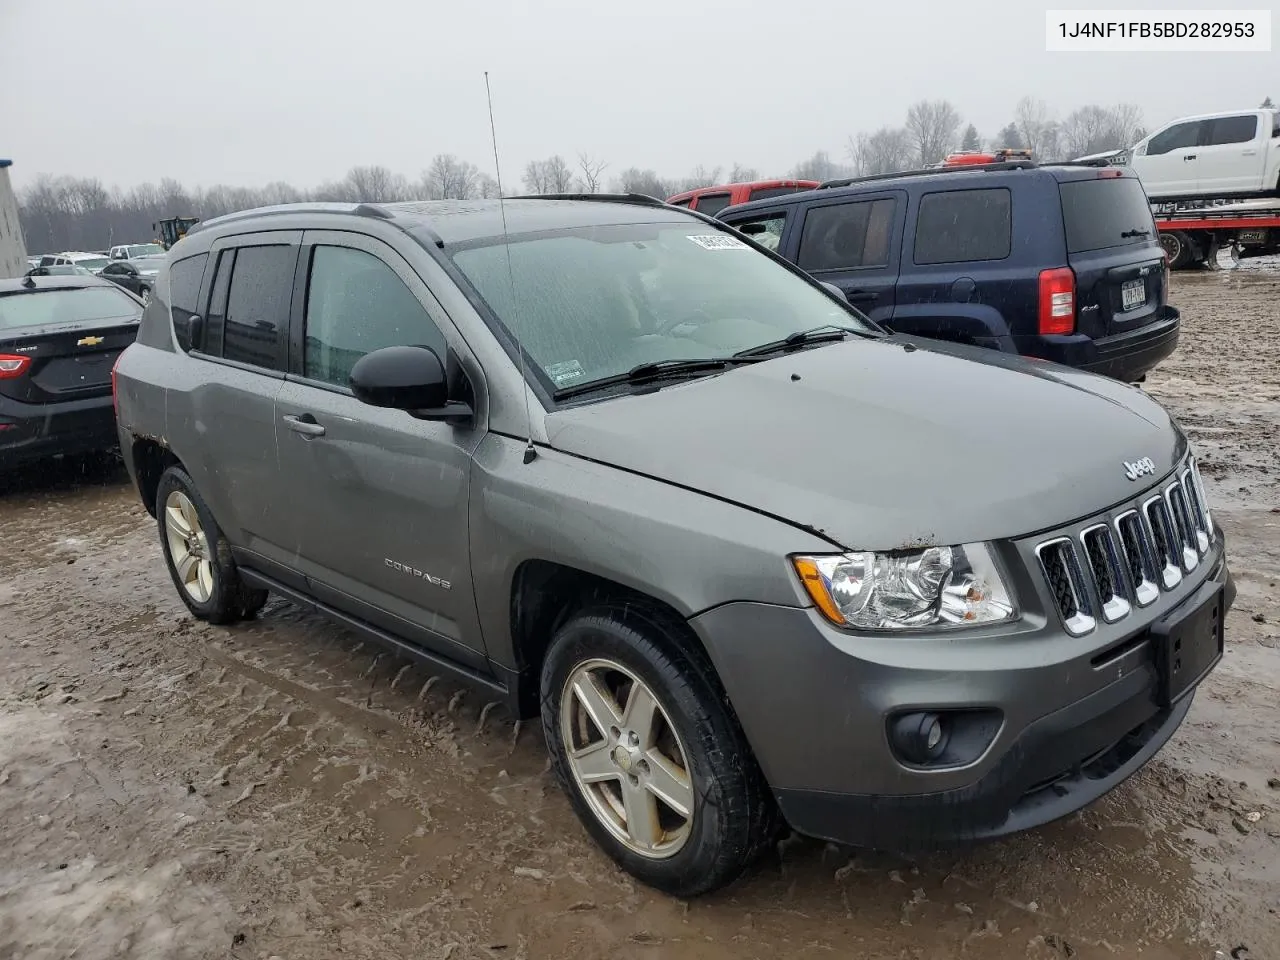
x: 199, y: 556
x: 1178, y: 248
x: 653, y: 761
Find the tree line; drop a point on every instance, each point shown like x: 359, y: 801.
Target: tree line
x: 74, y: 213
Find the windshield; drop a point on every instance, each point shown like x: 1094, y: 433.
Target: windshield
x: 42, y: 307
x: 144, y: 250
x: 91, y: 263
x: 595, y: 302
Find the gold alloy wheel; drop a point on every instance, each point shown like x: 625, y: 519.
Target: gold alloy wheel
x: 627, y: 758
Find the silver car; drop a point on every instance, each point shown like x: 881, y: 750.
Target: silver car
x: 750, y: 558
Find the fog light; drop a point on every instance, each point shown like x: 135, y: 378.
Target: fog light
x: 919, y: 737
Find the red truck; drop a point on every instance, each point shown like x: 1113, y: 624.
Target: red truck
x: 711, y: 200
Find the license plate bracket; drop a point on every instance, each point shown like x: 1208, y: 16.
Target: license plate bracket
x: 1186, y: 646
x: 1133, y: 293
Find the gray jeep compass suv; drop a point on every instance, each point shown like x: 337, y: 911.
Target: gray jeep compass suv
x: 751, y: 558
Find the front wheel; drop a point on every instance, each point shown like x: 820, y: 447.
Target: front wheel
x: 654, y: 763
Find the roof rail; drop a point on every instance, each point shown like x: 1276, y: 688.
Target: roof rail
x: 640, y: 198
x: 931, y: 171
x: 284, y: 209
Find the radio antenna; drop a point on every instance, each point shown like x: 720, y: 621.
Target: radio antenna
x: 530, y: 452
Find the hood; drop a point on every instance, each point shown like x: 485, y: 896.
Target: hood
x: 890, y: 443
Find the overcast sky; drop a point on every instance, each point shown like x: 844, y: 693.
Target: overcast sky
x: 244, y: 92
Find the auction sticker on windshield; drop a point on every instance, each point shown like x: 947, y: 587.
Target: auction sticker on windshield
x: 718, y: 241
x: 565, y: 372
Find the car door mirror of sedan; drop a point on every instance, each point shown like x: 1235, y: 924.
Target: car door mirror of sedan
x: 412, y: 379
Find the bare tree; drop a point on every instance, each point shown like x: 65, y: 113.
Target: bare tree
x: 888, y: 150
x: 1036, y: 127
x: 700, y: 177
x: 448, y: 178
x: 1094, y: 129
x: 375, y: 184
x: 818, y: 167
x: 592, y: 171
x: 932, y: 125
x: 548, y: 176
x: 646, y: 182
x: 487, y: 187
x: 741, y: 174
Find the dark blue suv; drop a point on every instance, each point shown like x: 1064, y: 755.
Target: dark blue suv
x: 1059, y: 262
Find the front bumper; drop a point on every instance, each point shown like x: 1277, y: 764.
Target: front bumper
x: 1074, y: 723
x: 30, y: 432
x: 1127, y: 356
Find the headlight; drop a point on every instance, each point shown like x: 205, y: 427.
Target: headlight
x: 908, y: 590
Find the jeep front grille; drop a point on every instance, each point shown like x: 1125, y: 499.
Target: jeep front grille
x: 1126, y: 561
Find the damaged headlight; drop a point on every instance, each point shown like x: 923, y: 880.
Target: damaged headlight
x: 908, y: 590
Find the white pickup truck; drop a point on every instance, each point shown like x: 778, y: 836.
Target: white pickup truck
x: 1216, y: 155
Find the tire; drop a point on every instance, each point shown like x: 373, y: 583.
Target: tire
x: 731, y: 812
x: 205, y: 576
x: 1177, y: 246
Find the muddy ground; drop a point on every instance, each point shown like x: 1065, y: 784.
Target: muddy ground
x: 170, y: 789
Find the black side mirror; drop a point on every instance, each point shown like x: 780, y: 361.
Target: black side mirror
x: 407, y: 378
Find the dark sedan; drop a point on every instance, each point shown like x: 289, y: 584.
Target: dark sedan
x: 137, y: 276
x: 59, y: 339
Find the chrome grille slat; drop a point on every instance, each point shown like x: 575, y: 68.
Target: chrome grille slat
x: 1066, y: 580
x: 1126, y: 561
x: 1183, y: 529
x: 1108, y: 574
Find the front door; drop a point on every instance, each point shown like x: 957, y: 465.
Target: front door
x: 380, y: 497
x: 1167, y: 165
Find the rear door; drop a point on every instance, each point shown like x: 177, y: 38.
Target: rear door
x: 854, y: 243
x: 1114, y: 250
x: 70, y: 338
x: 243, y: 339
x: 1232, y: 153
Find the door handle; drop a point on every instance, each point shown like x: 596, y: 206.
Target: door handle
x: 1250, y: 153
x: 861, y: 295
x: 1188, y: 156
x: 304, y: 424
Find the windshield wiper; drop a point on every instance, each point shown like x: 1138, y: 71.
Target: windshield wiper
x: 801, y: 338
x: 1130, y: 234
x: 655, y: 370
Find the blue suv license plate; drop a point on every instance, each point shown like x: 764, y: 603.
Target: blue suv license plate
x: 1133, y: 293
x: 1188, y: 647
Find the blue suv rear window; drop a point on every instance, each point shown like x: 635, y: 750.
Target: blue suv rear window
x: 1103, y: 213
x: 963, y: 226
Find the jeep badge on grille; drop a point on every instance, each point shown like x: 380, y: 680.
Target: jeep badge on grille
x: 1139, y: 468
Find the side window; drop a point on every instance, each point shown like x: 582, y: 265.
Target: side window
x: 682, y: 203
x: 1239, y: 129
x: 357, y: 304
x: 847, y: 235
x: 763, y: 193
x: 765, y: 230
x: 712, y: 203
x: 1177, y: 137
x: 184, y: 293
x: 961, y: 226
x: 258, y: 305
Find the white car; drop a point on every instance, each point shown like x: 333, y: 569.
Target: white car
x: 93, y: 262
x: 1216, y: 155
x: 132, y: 251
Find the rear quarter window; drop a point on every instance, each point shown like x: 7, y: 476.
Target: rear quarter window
x: 1102, y: 213
x: 964, y: 226
x: 712, y: 203
x: 184, y: 294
